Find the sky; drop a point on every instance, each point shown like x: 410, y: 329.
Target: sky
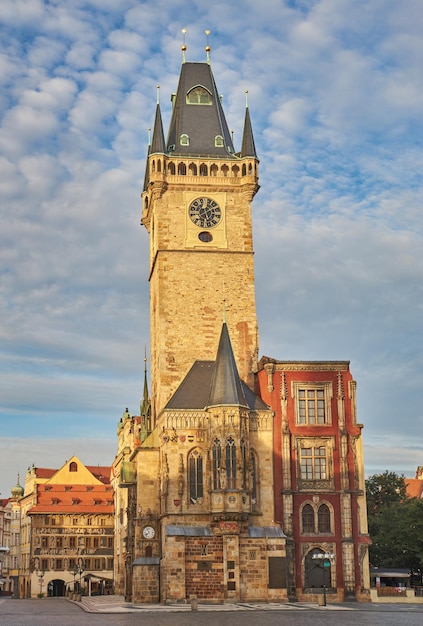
x: 335, y: 92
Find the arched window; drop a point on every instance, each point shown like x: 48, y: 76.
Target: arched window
x: 244, y: 464
x: 73, y: 467
x: 225, y: 170
x: 159, y: 166
x: 199, y: 95
x: 307, y: 519
x: 192, y: 169
x: 235, y: 170
x: 323, y: 519
x: 218, y: 141
x: 231, y: 463
x: 244, y: 169
x: 148, y: 552
x: 153, y: 166
x: 213, y: 170
x: 217, y: 463
x: 182, y: 169
x: 184, y: 140
x: 195, y: 476
x: 171, y: 168
x: 204, y: 170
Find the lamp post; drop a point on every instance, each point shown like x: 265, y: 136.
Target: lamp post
x: 40, y: 575
x: 77, y: 570
x: 324, y: 560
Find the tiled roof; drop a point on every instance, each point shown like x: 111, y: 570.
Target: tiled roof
x: 44, y: 472
x: 414, y: 487
x: 73, y: 499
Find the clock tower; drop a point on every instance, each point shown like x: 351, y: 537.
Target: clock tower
x: 196, y: 207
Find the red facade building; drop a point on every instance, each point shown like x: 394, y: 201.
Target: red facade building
x: 318, y: 476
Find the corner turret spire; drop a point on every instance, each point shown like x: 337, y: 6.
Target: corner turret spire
x: 226, y: 387
x: 248, y: 148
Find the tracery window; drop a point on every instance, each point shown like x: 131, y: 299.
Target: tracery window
x: 195, y: 476
x: 231, y: 463
x: 216, y: 462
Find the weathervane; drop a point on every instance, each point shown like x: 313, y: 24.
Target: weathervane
x: 208, y: 47
x: 183, y: 47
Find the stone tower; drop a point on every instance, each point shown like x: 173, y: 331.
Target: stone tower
x: 196, y: 206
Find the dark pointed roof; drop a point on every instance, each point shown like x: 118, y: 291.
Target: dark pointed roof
x: 226, y: 388
x: 194, y: 391
x: 158, y: 140
x: 202, y: 122
x: 248, y: 148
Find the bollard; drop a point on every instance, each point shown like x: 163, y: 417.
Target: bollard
x: 194, y: 604
x: 321, y: 601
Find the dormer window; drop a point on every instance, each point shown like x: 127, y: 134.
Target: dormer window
x: 184, y: 140
x: 199, y: 95
x: 218, y: 141
x: 73, y: 467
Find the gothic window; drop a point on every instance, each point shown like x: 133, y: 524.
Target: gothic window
x: 244, y: 170
x: 313, y: 463
x: 225, y: 170
x: 192, y: 169
x: 159, y: 166
x: 307, y: 519
x: 182, y: 169
x: 199, y: 95
x: 217, y: 463
x: 195, y: 476
x: 73, y: 467
x: 148, y: 552
x: 244, y: 464
x: 213, y: 170
x: 235, y: 170
x: 254, y: 474
x: 171, y: 168
x: 231, y: 463
x: 204, y: 170
x: 184, y: 140
x: 218, y: 141
x: 323, y: 519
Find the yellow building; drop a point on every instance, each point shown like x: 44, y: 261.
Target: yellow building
x: 66, y: 522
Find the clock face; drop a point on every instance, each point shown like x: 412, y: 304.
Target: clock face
x: 148, y: 532
x: 205, y: 212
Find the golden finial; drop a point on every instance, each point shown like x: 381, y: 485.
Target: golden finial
x: 208, y: 47
x: 183, y: 47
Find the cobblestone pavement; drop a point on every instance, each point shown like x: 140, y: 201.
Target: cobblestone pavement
x: 113, y: 611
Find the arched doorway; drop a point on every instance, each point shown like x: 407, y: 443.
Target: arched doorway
x: 56, y: 588
x: 317, y: 571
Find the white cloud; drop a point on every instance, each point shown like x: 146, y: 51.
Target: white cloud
x: 335, y: 96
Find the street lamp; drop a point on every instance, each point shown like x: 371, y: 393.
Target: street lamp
x: 77, y: 569
x: 324, y: 559
x: 40, y: 575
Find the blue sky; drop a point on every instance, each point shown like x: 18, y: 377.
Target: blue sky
x: 336, y: 99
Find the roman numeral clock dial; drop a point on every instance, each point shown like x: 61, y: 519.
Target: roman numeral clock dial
x: 205, y: 212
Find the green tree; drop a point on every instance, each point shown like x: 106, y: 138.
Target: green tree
x: 384, y: 490
x: 395, y: 523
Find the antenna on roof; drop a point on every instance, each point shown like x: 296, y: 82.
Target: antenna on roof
x: 183, y: 47
x: 208, y: 47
